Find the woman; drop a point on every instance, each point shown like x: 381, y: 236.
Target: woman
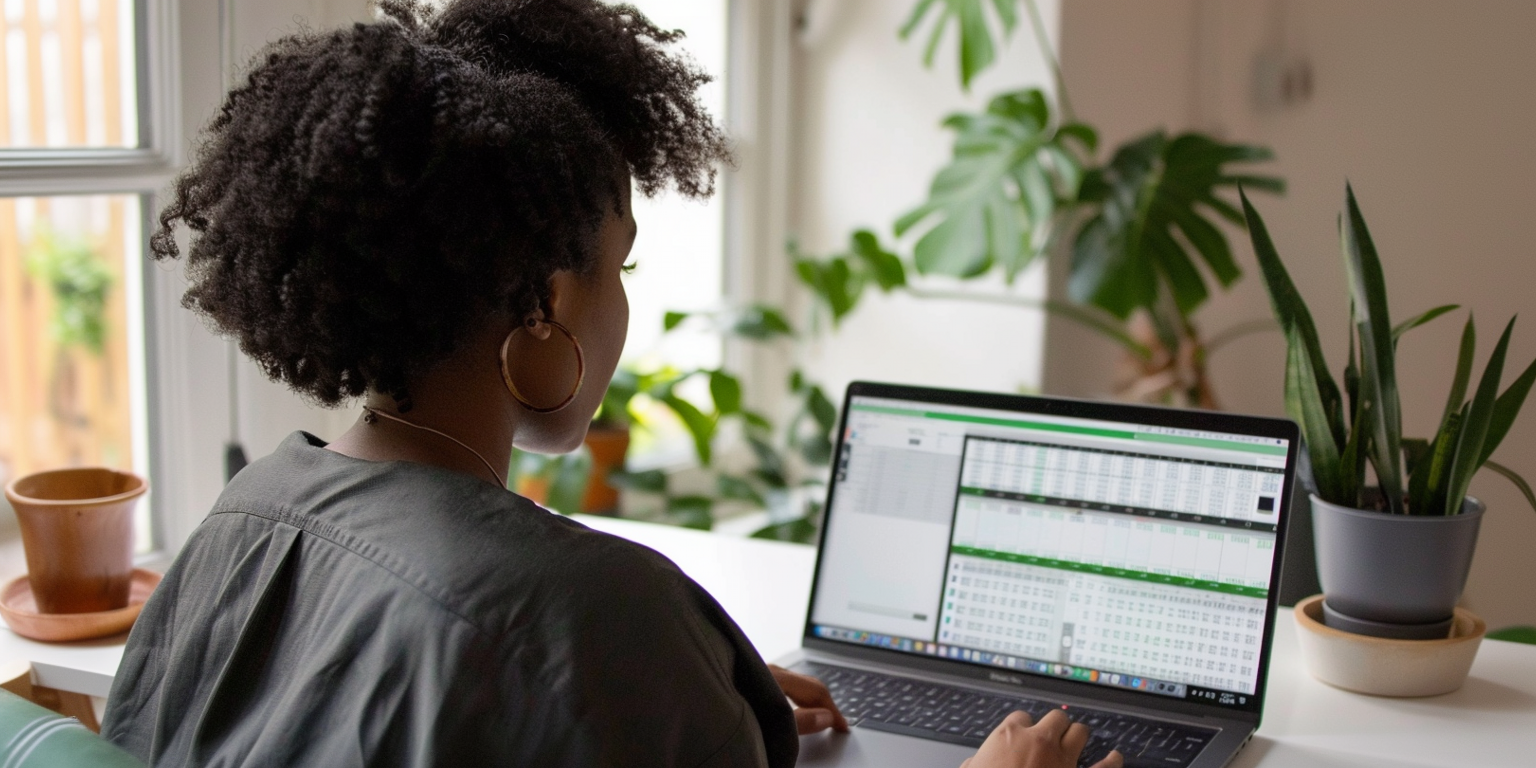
x: 432, y: 213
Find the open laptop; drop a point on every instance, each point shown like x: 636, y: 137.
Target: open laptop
x: 983, y: 553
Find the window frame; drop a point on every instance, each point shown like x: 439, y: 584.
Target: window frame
x: 142, y: 171
x: 97, y: 170
x: 759, y: 116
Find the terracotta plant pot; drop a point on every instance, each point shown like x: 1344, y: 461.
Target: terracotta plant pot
x: 77, y: 530
x: 608, y: 446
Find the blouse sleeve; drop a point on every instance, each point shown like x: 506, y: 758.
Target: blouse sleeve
x: 634, y: 664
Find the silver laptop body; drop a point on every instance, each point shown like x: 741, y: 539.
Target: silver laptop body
x: 1106, y: 558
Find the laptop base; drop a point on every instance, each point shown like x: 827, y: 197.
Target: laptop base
x: 867, y: 746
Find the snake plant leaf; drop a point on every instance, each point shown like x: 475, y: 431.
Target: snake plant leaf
x: 1427, y: 493
x: 1351, y: 475
x: 1304, y: 404
x: 1463, y: 375
x: 1514, y: 477
x: 1421, y: 319
x: 1291, y: 310
x: 977, y: 51
x: 995, y: 202
x: 1153, y: 191
x: 1378, y: 374
x: 1418, y: 454
x: 1506, y: 408
x: 1416, y: 450
x: 1352, y: 371
x: 1474, y: 431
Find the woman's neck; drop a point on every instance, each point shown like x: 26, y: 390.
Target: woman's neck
x: 460, y: 419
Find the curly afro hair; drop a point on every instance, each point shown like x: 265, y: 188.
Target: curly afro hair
x: 370, y: 196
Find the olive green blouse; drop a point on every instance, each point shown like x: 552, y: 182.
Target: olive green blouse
x: 332, y: 611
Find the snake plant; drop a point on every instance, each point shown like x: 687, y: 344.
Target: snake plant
x: 1361, y: 424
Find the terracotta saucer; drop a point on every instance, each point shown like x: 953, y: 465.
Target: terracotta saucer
x: 19, y: 609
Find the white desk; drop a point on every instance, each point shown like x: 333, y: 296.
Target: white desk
x: 765, y: 586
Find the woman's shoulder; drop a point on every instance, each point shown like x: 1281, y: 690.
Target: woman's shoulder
x: 485, y: 553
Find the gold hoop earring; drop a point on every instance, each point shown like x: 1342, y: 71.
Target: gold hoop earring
x: 506, y: 373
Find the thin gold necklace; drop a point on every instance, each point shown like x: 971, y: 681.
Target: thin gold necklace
x: 371, y: 412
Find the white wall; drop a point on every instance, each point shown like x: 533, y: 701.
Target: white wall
x: 269, y: 412
x: 193, y: 365
x: 867, y: 142
x: 1427, y: 108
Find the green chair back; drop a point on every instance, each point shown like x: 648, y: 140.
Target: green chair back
x: 33, y: 737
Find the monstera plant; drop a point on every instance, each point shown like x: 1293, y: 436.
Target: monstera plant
x: 1146, y: 247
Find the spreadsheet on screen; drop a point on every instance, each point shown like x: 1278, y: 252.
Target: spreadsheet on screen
x: 1125, y: 554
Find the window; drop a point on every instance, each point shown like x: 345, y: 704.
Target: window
x: 78, y: 168
x: 71, y: 391
x: 70, y: 74
x: 679, y: 252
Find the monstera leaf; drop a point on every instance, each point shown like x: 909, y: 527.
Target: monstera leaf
x: 977, y: 51
x: 1154, y: 201
x: 995, y: 202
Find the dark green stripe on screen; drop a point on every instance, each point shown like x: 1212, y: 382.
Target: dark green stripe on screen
x: 1119, y: 573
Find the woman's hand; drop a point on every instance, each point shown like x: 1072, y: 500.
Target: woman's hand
x: 814, y: 708
x: 1054, y: 742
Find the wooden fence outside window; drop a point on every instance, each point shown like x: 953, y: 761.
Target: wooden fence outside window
x: 64, y: 387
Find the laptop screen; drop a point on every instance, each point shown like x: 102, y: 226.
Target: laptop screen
x: 1118, y: 553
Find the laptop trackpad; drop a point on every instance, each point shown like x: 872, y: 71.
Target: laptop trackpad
x: 865, y: 747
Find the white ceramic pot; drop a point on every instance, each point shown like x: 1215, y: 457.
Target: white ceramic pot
x: 1387, y: 667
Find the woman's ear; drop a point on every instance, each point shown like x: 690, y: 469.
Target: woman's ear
x: 534, y: 324
x: 564, y: 296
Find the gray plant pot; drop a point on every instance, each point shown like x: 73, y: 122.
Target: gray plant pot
x: 1393, y: 575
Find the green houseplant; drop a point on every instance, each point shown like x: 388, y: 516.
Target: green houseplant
x: 1142, y: 227
x: 776, y: 458
x: 779, y: 465
x: 1393, y: 556
x: 79, y: 282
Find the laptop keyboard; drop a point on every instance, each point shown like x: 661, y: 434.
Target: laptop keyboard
x: 944, y: 713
